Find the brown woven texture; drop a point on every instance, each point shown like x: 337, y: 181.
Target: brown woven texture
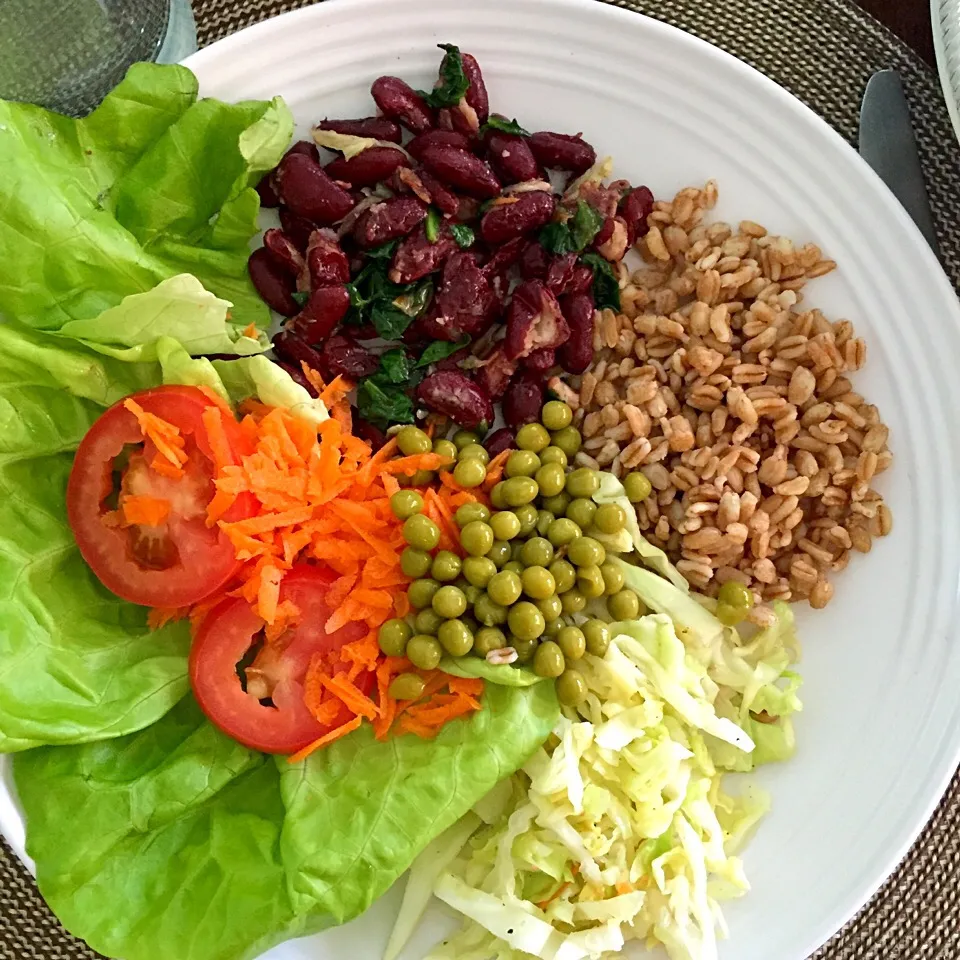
x: 823, y: 51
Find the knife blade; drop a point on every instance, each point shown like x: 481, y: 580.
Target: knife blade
x: 888, y: 144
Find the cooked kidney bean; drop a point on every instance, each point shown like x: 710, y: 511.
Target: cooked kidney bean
x: 342, y: 356
x: 417, y: 256
x: 506, y: 221
x: 500, y: 440
x: 442, y: 197
x: 437, y: 138
x: 523, y: 400
x: 494, y: 376
x: 306, y: 148
x: 386, y: 221
x: 465, y: 303
x: 320, y: 315
x: 604, y: 233
x: 368, y: 167
x: 477, y: 91
x: 603, y: 199
x: 560, y: 151
x: 577, y: 353
x: 309, y: 192
x: 534, y: 321
x: 326, y: 263
x: 541, y: 360
x: 455, y: 395
x: 366, y: 431
x: 295, y: 350
x: 462, y: 170
x: 297, y: 229
x: 581, y: 280
x: 498, y: 266
x: 296, y: 375
x: 454, y: 360
x: 272, y: 282
x: 559, y: 273
x: 398, y: 100
x: 379, y: 128
x: 284, y: 251
x: 635, y: 207
x: 534, y: 262
x: 614, y: 247
x: 511, y: 158
x: 268, y: 192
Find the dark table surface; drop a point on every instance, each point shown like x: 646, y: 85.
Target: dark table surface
x: 909, y: 19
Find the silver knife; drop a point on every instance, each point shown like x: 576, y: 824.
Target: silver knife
x: 888, y: 144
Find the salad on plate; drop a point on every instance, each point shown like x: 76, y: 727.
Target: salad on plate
x: 475, y: 569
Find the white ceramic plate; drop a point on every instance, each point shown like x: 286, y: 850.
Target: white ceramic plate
x: 880, y: 735
x: 945, y: 15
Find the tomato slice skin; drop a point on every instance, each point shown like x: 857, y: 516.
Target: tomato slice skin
x: 225, y: 637
x: 196, y: 560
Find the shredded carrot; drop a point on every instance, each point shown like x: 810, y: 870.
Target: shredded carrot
x: 495, y: 469
x: 335, y: 734
x: 623, y: 887
x: 543, y: 904
x: 164, y: 436
x: 159, y: 617
x: 145, y: 511
x: 340, y: 411
x: 250, y: 330
x: 346, y: 691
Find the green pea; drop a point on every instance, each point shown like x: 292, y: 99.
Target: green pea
x: 516, y: 549
x: 505, y: 525
x: 479, y: 570
x: 446, y: 567
x: 527, y: 515
x: 520, y: 490
x: 548, y: 661
x: 424, y: 652
x: 427, y: 621
x: 450, y: 602
x: 538, y: 582
x: 582, y: 511
x: 472, y: 593
x: 730, y: 616
x: 550, y: 607
x: 407, y: 686
x: 448, y: 449
x: 556, y: 415
x: 590, y: 582
x: 571, y: 688
x: 471, y: 512
x: 572, y: 642
x: 474, y: 451
x: 564, y: 574
x: 499, y: 553
x: 624, y: 605
x: 558, y: 504
x: 597, y: 635
x: 463, y: 438
x: 537, y: 552
x: 583, y: 482
x: 586, y: 552
x: 550, y: 479
x: 735, y: 594
x: 477, y: 538
x: 422, y: 478
x: 522, y: 463
x: 553, y: 627
x: 470, y: 473
x: 456, y: 638
x: 498, y: 498
x: 415, y: 563
x: 420, y: 593
x: 405, y: 503
x: 613, y: 579
x: 525, y: 621
x: 488, y: 612
x: 637, y: 486
x: 573, y: 601
x: 421, y: 532
x: 393, y: 637
x: 487, y: 639
x: 412, y: 441
x: 610, y: 518
x: 568, y: 440
x: 505, y: 588
x: 562, y: 532
x: 533, y: 436
x: 513, y: 566
x: 544, y: 519
x: 525, y: 649
x: 554, y: 455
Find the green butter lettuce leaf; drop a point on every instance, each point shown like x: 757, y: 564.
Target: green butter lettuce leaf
x: 154, y: 183
x: 500, y: 673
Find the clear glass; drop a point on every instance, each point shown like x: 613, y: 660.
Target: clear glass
x: 67, y: 54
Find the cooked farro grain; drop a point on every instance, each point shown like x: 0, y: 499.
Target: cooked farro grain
x: 734, y: 399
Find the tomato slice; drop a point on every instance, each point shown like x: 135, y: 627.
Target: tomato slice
x: 227, y: 637
x: 181, y: 560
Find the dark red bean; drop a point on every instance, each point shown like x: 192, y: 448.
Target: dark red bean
x: 614, y: 247
x: 477, y: 91
x: 295, y: 350
x: 511, y: 158
x: 523, y: 400
x: 298, y: 229
x: 635, y: 207
x: 417, y: 256
x: 272, y: 282
x: 437, y: 138
x: 455, y: 359
x: 297, y: 376
x: 309, y: 192
x: 500, y: 440
x: 342, y: 356
x: 603, y: 199
x: 534, y: 321
x: 494, y: 376
x: 367, y: 432
x: 455, y: 395
x: 581, y: 280
x: 541, y: 360
x: 468, y: 210
x: 604, y: 233
x: 320, y: 315
x: 268, y: 192
x: 379, y: 128
x: 465, y: 303
x: 306, y: 148
x: 559, y: 273
x: 459, y: 119
x: 534, y: 262
x: 326, y: 262
x: 368, y: 167
x: 577, y: 353
x: 505, y: 221
x: 498, y: 266
x: 560, y: 151
x: 443, y: 198
x: 386, y: 221
x: 462, y: 170
x: 398, y: 100
x: 284, y: 251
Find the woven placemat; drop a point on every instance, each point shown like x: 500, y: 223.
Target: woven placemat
x: 805, y: 45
